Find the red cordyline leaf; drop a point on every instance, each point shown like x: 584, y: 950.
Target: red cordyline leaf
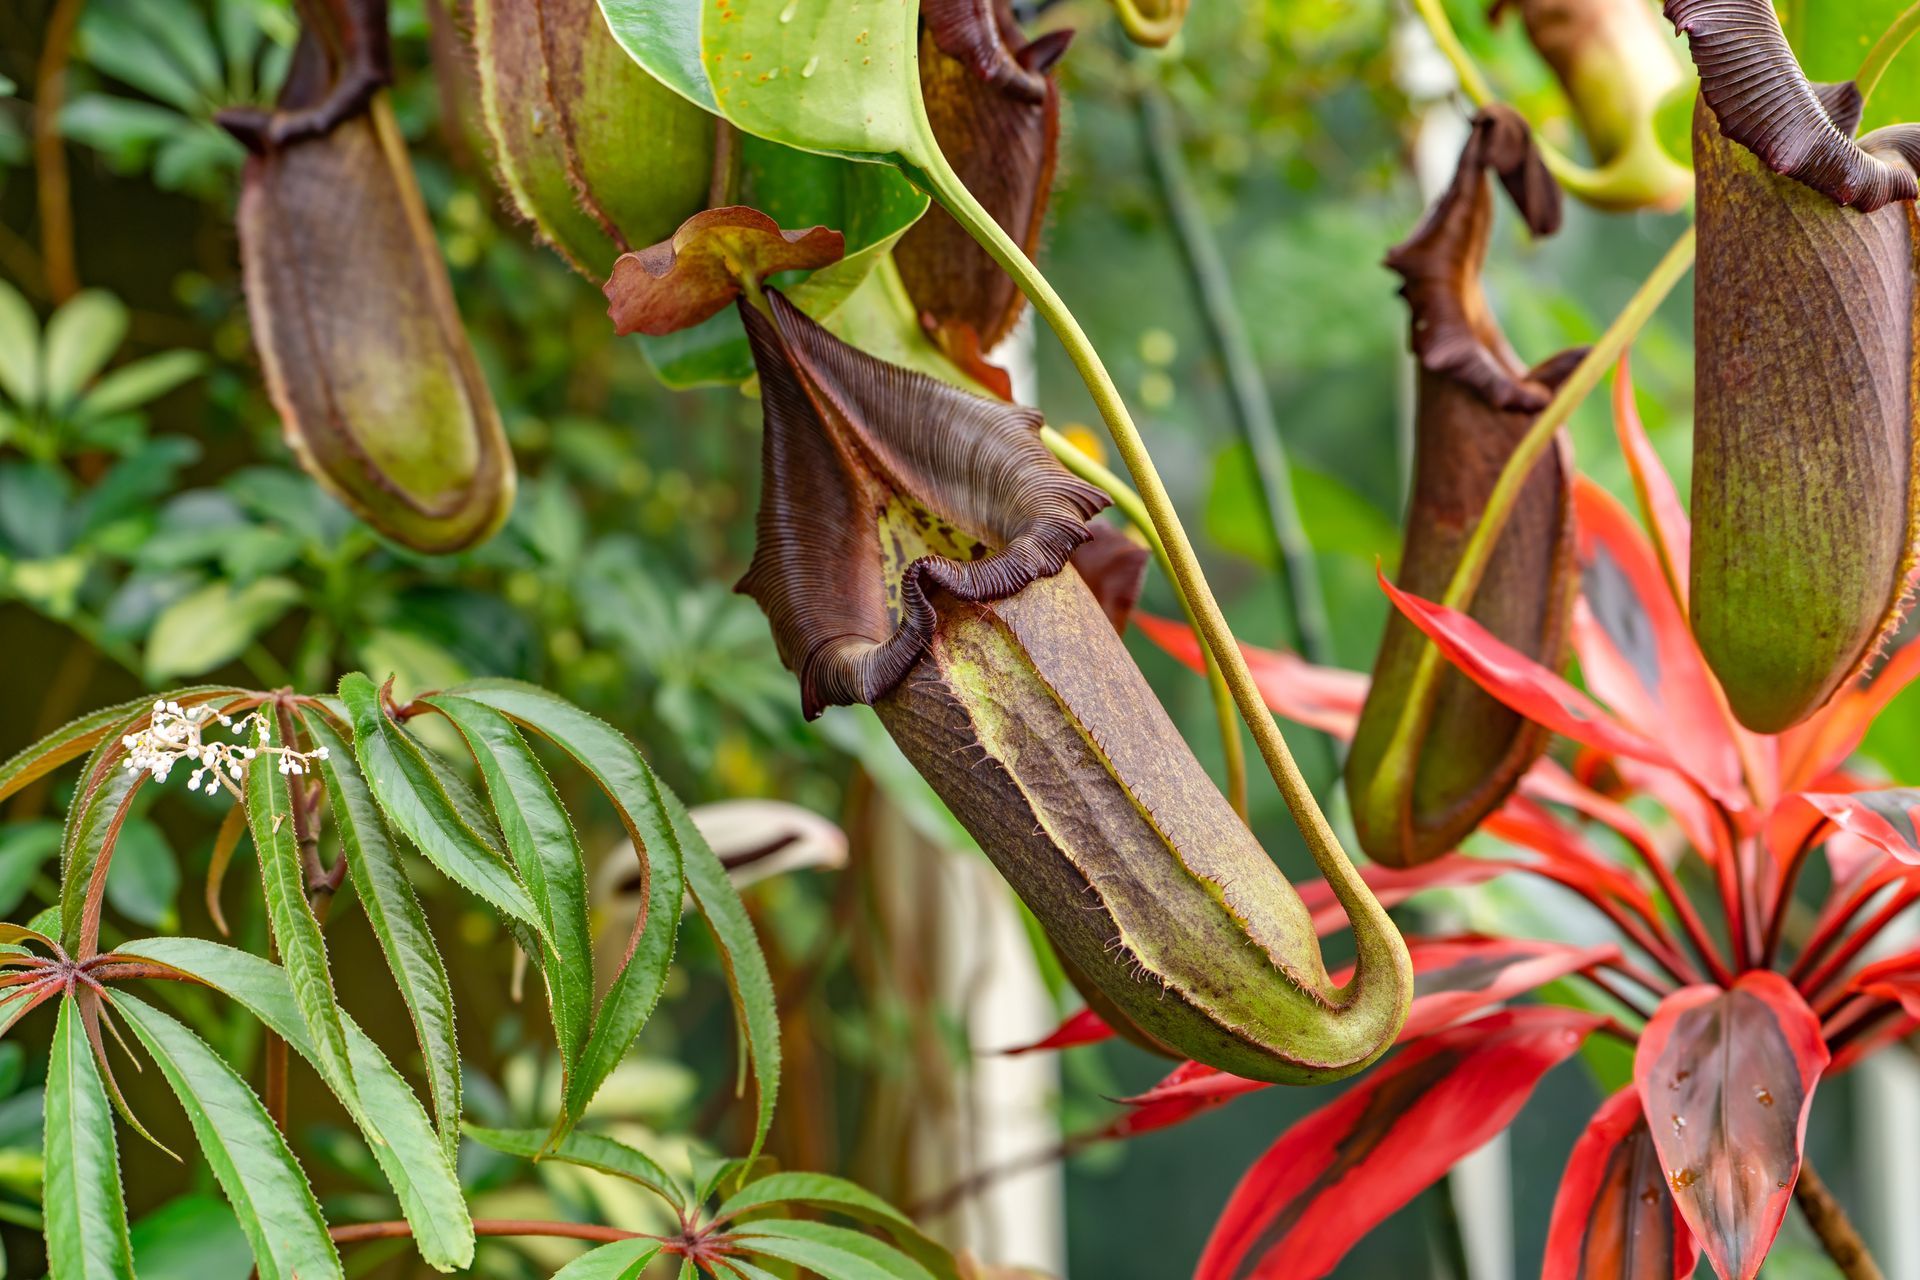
x: 1530, y: 688
x: 1341, y: 1171
x: 1816, y: 747
x: 1635, y: 649
x: 1082, y: 1027
x: 1726, y: 1078
x: 1452, y: 978
x: 1885, y: 819
x: 1323, y: 698
x: 1526, y: 823
x: 1659, y: 501
x: 1613, y: 1218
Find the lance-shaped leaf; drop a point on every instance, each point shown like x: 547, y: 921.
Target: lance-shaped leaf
x: 353, y: 316
x: 995, y: 111
x: 598, y: 155
x: 249, y: 1158
x: 402, y: 1140
x: 621, y: 1260
x: 544, y: 848
x: 1424, y: 774
x: 1395, y: 885
x: 1618, y: 68
x: 417, y: 802
x: 837, y: 1195
x: 1726, y: 1079
x: 1813, y: 749
x: 1804, y: 488
x: 911, y: 542
x: 303, y: 950
x: 1660, y: 506
x: 1082, y: 1026
x: 1323, y: 698
x: 86, y: 1211
x: 827, y: 1250
x: 399, y: 925
x: 589, y: 1151
x: 1341, y: 1171
x: 1636, y: 653
x: 72, y: 740
x: 676, y: 861
x: 1613, y: 1218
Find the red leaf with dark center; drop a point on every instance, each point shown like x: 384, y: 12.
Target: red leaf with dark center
x: 1323, y: 698
x: 1884, y: 819
x: 1613, y: 1218
x: 1635, y: 649
x: 1524, y: 684
x: 1340, y: 1172
x: 1083, y: 1027
x: 1726, y: 1078
x: 680, y: 282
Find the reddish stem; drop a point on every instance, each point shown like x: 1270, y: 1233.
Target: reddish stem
x: 1822, y: 977
x: 1829, y: 929
x: 1690, y: 922
x: 1789, y: 880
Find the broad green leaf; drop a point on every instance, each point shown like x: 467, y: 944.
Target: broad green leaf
x: 112, y: 39
x: 414, y: 799
x: 214, y: 625
x: 542, y: 843
x: 589, y: 1150
x: 303, y: 950
x: 86, y: 1212
x: 19, y: 348
x: 249, y: 1158
x: 664, y: 37
x: 403, y: 1141
x: 380, y: 883
x: 621, y: 1260
x: 144, y: 878
x: 647, y: 809
x: 140, y: 382
x: 824, y: 1191
x: 24, y: 850
x: 829, y: 1250
x: 81, y: 337
x: 1832, y: 39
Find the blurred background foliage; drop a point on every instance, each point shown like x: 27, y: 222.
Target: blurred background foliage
x: 153, y: 529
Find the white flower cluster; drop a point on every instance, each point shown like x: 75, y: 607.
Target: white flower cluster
x: 176, y: 733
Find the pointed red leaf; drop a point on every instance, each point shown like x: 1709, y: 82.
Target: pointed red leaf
x: 1340, y: 1172
x: 1885, y: 819
x: 1525, y: 823
x: 1659, y: 500
x: 1082, y: 1027
x: 1636, y: 650
x: 1524, y: 684
x: 1726, y: 1078
x: 1823, y: 743
x: 1613, y: 1218
x: 1323, y: 698
x: 1184, y: 1093
x: 1456, y: 977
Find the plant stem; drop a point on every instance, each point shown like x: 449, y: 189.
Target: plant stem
x: 50, y: 153
x: 1830, y: 1222
x: 1382, y: 952
x: 1403, y: 751
x: 1885, y: 49
x: 1129, y: 505
x: 1247, y: 388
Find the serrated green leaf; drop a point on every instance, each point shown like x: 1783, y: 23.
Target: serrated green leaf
x: 81, y: 337
x: 380, y: 882
x: 648, y: 811
x: 621, y: 1260
x: 589, y: 1150
x: 829, y: 1250
x: 403, y: 1141
x: 93, y: 822
x: 541, y: 840
x: 824, y: 1191
x: 249, y: 1158
x: 19, y: 348
x: 303, y: 949
x: 69, y: 742
x: 86, y: 1212
x: 417, y: 802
